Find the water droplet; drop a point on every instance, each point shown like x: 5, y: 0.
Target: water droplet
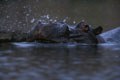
x: 64, y: 20
x: 33, y: 20
x: 47, y: 16
x: 55, y: 20
x: 20, y: 22
x: 27, y: 14
x: 56, y: 17
x: 74, y: 22
x: 24, y: 6
x: 83, y: 20
x: 51, y: 20
x: 7, y: 16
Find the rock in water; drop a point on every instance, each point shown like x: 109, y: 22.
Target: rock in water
x: 112, y: 35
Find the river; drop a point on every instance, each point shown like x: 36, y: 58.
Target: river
x: 64, y: 61
x: 39, y: 61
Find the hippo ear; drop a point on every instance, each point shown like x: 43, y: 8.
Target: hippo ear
x: 98, y: 30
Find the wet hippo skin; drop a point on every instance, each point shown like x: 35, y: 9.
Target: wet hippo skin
x: 60, y: 32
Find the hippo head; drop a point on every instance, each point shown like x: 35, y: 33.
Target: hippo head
x: 89, y: 35
x: 84, y: 27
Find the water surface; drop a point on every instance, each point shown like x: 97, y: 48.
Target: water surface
x: 38, y: 61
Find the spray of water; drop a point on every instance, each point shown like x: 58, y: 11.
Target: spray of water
x: 47, y: 19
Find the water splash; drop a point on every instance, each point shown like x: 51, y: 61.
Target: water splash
x: 33, y: 20
x: 65, y: 19
x: 74, y: 22
x: 47, y: 18
x: 7, y: 16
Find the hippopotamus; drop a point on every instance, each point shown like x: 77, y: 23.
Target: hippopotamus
x: 49, y: 32
x: 60, y: 32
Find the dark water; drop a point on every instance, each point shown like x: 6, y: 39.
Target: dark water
x: 36, y: 61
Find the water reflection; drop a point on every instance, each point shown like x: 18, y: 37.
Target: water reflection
x: 58, y: 62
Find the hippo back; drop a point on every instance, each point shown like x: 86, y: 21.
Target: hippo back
x: 55, y: 30
x: 49, y: 30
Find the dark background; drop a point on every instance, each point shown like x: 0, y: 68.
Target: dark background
x: 23, y: 14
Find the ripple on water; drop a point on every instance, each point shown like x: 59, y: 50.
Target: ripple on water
x: 24, y: 44
x: 49, y: 45
x: 6, y: 51
x: 60, y: 64
x: 111, y: 46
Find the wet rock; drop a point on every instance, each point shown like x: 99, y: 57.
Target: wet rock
x: 112, y: 36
